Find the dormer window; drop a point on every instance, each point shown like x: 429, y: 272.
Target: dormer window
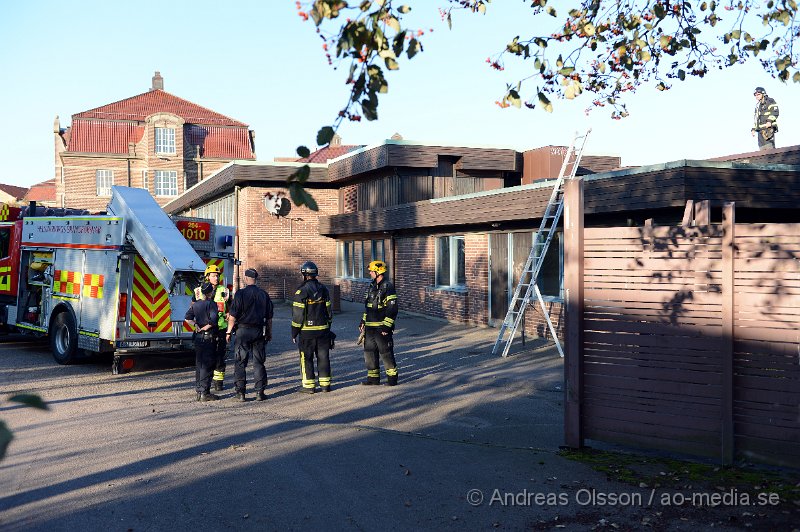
x: 165, y: 141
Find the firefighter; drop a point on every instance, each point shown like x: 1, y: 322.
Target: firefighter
x: 311, y: 322
x: 203, y: 316
x: 765, y: 119
x: 221, y: 297
x: 251, y: 311
x: 377, y: 325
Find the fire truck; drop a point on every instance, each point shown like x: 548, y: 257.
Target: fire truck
x: 117, y: 283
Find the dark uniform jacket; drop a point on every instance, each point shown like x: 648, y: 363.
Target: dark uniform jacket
x: 380, y: 306
x: 203, y: 312
x: 766, y: 117
x: 251, y: 307
x: 311, y: 309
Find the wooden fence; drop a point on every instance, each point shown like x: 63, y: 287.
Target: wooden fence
x: 684, y: 338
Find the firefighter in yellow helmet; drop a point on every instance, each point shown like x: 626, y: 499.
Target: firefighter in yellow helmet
x: 377, y: 324
x: 221, y: 297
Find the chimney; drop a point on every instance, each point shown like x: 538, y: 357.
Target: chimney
x: 158, y: 82
x: 336, y: 140
x: 397, y: 136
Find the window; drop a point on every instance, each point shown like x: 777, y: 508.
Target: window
x: 5, y: 241
x: 551, y: 275
x: 104, y: 178
x: 451, y: 266
x: 165, y: 140
x: 166, y: 183
x: 355, y: 256
x: 145, y: 183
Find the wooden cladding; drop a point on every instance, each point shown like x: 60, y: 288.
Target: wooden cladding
x: 689, y: 340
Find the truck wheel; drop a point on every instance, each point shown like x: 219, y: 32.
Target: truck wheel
x: 64, y: 338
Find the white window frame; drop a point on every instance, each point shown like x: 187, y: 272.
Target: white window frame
x: 104, y: 180
x: 165, y: 140
x: 170, y: 188
x: 145, y: 184
x: 452, y: 243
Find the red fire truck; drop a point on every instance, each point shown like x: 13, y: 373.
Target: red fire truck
x: 116, y: 283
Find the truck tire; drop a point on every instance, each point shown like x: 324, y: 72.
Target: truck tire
x: 64, y: 338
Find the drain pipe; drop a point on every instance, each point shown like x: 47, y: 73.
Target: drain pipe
x: 237, y: 257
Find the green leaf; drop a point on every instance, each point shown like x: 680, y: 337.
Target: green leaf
x: 404, y: 9
x: 303, y: 173
x: 796, y: 77
x: 413, y: 48
x: 545, y: 103
x: 325, y: 135
x: 370, y: 109
x: 33, y: 401
x: 300, y: 197
x: 394, y: 24
x: 681, y: 75
x: 391, y: 64
x: 399, y: 42
x: 5, y: 439
x: 303, y: 152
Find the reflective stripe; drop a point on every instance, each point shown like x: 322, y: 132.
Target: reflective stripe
x: 373, y: 323
x: 218, y: 375
x: 374, y: 373
x: 389, y: 298
x: 315, y: 327
x: 390, y: 321
x: 391, y: 372
x: 296, y: 304
x: 295, y: 324
x: 324, y: 381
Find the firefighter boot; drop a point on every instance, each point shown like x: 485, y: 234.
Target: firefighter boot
x: 261, y: 396
x: 207, y: 396
x: 373, y: 377
x: 391, y: 376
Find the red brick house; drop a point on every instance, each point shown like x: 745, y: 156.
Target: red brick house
x: 43, y: 193
x: 154, y: 140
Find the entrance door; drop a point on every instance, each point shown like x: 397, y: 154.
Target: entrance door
x: 508, y: 253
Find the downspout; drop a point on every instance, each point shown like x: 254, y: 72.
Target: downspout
x: 129, y: 172
x: 237, y: 260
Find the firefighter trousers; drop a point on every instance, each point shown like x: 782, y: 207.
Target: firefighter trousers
x: 315, y: 346
x: 376, y: 344
x: 204, y: 361
x: 221, y: 351
x: 249, y: 344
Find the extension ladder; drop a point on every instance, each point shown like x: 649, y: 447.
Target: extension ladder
x: 527, y: 287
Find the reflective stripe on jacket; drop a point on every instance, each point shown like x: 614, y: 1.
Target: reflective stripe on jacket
x: 311, y: 308
x: 380, y: 305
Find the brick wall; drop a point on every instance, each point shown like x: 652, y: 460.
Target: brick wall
x: 349, y: 199
x: 277, y: 246
x: 476, y: 246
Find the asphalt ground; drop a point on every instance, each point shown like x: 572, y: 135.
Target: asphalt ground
x: 467, y: 441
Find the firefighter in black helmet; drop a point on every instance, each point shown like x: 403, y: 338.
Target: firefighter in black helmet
x: 377, y: 324
x: 311, y: 322
x: 765, y: 119
x: 203, y: 316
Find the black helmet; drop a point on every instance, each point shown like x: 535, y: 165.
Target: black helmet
x: 309, y: 268
x: 760, y: 90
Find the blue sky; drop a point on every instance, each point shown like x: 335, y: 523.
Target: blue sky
x: 257, y: 62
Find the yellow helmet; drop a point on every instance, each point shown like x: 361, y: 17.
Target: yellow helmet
x: 213, y: 268
x: 377, y: 266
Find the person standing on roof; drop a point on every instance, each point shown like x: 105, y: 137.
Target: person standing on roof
x: 765, y: 120
x: 221, y: 297
x: 311, y: 322
x: 377, y: 324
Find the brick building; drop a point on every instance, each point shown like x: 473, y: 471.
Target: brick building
x: 153, y: 140
x: 390, y: 202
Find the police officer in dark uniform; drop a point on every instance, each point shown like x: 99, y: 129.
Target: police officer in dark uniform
x: 251, y: 311
x: 377, y: 324
x: 203, y: 316
x: 311, y: 321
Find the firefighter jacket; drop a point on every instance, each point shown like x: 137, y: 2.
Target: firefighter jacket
x: 766, y: 116
x: 380, y: 306
x: 311, y: 309
x: 221, y: 300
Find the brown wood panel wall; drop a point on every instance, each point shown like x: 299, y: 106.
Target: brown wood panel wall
x: 690, y: 339
x: 651, y: 360
x: 766, y: 408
